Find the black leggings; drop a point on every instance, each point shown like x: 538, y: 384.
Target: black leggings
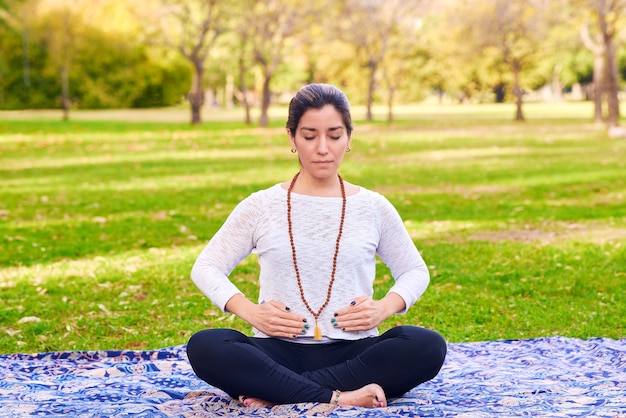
x: 283, y: 372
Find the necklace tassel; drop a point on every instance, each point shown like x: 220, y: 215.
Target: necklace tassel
x: 317, y: 335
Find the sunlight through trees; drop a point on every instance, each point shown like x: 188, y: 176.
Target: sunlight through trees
x: 252, y: 53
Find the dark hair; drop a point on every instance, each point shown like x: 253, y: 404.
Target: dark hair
x: 316, y: 96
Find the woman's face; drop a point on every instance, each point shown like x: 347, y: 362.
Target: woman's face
x: 321, y: 140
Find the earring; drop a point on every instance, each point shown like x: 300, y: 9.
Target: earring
x: 293, y: 150
x: 348, y: 149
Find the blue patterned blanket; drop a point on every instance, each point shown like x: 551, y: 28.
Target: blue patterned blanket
x: 538, y: 377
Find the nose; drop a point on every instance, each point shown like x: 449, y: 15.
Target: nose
x: 322, y: 146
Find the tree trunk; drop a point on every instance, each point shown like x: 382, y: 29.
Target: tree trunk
x: 244, y: 89
x: 265, y: 100
x: 518, y: 93
x: 228, y: 91
x: 370, y: 90
x: 390, y: 97
x: 598, y: 86
x: 597, y: 48
x: 196, y: 95
x: 611, y: 84
x: 500, y: 92
x: 557, y: 94
x: 26, y: 62
x: 65, y: 92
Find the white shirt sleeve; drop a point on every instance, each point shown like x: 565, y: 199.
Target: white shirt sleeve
x: 227, y: 248
x: 397, y: 250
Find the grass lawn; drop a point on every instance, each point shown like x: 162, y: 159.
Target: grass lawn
x: 523, y: 225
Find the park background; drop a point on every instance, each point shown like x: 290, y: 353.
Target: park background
x: 129, y: 131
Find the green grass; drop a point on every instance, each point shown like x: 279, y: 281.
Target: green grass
x: 523, y: 225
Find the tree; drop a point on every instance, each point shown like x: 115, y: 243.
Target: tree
x: 14, y: 15
x: 273, y: 24
x: 243, y: 30
x: 596, y: 46
x: 565, y: 59
x: 608, y: 14
x: 406, y: 57
x: 191, y: 27
x: 608, y: 20
x: 63, y: 26
x: 368, y: 26
x: 508, y: 31
x: 67, y: 30
x: 76, y: 63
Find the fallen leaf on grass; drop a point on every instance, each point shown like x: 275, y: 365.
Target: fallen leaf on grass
x: 28, y: 319
x: 104, y: 309
x: 140, y: 296
x: 8, y: 284
x: 160, y: 216
x: 15, y: 238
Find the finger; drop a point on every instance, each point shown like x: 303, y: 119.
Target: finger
x: 284, y: 311
x: 289, y: 330
x: 352, y: 318
x: 287, y: 323
x: 279, y: 306
x: 354, y: 304
x: 358, y: 324
x: 359, y: 300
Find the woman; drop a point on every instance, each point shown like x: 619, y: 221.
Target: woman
x: 316, y: 236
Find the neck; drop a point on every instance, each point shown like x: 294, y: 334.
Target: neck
x: 314, y: 186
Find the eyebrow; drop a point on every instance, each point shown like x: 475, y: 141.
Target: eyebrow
x: 334, y: 128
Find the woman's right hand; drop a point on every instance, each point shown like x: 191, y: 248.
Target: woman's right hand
x: 272, y: 318
x: 275, y: 319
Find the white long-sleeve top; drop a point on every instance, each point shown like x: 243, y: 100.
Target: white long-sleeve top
x: 258, y: 225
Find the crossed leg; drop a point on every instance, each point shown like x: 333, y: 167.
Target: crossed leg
x: 397, y: 361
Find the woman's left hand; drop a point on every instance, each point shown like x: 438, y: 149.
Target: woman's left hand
x: 365, y: 313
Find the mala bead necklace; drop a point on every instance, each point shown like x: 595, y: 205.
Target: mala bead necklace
x: 317, y: 335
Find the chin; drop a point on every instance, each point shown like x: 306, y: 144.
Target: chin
x: 323, y: 174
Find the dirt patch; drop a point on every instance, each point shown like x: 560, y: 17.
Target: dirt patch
x: 462, y: 190
x: 553, y: 232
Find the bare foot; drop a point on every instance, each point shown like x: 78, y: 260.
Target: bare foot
x: 369, y: 396
x: 254, y: 402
